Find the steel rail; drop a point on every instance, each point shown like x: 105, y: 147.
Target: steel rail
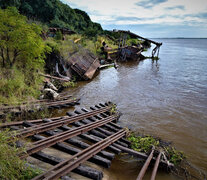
x: 66, y: 166
x: 61, y: 98
x: 146, y: 164
x: 86, y: 126
x: 60, y: 122
x: 37, y: 120
x: 2, y: 108
x: 3, y: 125
x: 49, y: 141
x: 154, y: 172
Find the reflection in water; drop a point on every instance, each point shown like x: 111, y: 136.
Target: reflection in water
x: 165, y: 98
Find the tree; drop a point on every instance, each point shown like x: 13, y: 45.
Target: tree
x: 5, y: 3
x: 20, y: 42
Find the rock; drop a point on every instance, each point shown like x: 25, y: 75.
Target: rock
x: 50, y: 85
x: 49, y: 93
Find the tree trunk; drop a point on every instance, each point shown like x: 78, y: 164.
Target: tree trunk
x: 16, y: 53
x: 3, y: 59
x: 8, y: 57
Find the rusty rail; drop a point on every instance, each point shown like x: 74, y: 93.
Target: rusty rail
x: 68, y: 165
x: 57, y: 123
x: 154, y: 172
x: 40, y: 103
x: 146, y: 164
x: 49, y: 141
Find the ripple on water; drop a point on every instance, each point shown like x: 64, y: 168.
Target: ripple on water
x: 167, y: 98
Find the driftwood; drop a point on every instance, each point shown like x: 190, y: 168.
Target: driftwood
x: 106, y: 66
x: 54, y: 77
x: 57, y: 71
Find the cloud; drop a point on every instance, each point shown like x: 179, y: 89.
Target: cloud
x: 176, y: 7
x: 202, y: 15
x: 150, y: 3
x: 131, y: 13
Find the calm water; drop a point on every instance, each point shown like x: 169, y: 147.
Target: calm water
x: 167, y: 99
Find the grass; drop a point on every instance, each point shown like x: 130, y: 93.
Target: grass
x: 113, y: 109
x: 69, y: 84
x: 17, y: 85
x: 11, y: 166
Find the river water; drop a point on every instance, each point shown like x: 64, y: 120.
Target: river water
x: 167, y: 99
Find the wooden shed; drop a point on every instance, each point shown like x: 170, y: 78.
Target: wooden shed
x: 84, y: 63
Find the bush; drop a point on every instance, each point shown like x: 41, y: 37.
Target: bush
x: 11, y: 166
x: 145, y: 144
x: 22, y: 53
x: 142, y: 144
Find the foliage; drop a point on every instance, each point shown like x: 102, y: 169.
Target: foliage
x: 55, y: 14
x: 12, y: 167
x: 19, y: 41
x: 145, y: 144
x: 69, y: 84
x: 132, y: 41
x: 4, y: 4
x: 21, y: 57
x: 93, y: 44
x: 142, y: 144
x: 59, y: 35
x: 18, y: 84
x: 113, y: 109
x: 174, y: 155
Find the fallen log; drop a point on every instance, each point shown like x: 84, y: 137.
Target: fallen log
x: 54, y: 77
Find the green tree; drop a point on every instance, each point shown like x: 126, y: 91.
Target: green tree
x: 5, y: 3
x: 59, y: 35
x: 20, y: 42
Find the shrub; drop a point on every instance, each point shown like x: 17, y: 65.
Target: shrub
x: 11, y: 166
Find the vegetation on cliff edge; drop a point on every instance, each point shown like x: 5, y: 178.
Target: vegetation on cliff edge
x: 11, y: 166
x: 22, y: 53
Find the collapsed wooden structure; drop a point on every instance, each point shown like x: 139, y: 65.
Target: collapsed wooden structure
x: 84, y: 64
x: 132, y: 52
x: 123, y: 38
x: 83, y: 135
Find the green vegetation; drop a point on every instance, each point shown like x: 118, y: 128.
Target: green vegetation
x: 113, y: 109
x: 69, y: 84
x: 145, y: 144
x: 12, y: 167
x: 55, y: 14
x: 142, y: 144
x: 174, y: 155
x: 22, y: 51
x: 77, y: 43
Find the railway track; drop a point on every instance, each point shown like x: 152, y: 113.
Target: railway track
x: 68, y: 165
x: 32, y: 106
x: 69, y: 133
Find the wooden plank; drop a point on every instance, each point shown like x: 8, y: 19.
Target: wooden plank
x: 91, y: 71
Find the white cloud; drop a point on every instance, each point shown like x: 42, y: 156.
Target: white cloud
x: 109, y: 12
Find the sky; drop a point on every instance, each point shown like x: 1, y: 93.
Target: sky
x: 149, y: 18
